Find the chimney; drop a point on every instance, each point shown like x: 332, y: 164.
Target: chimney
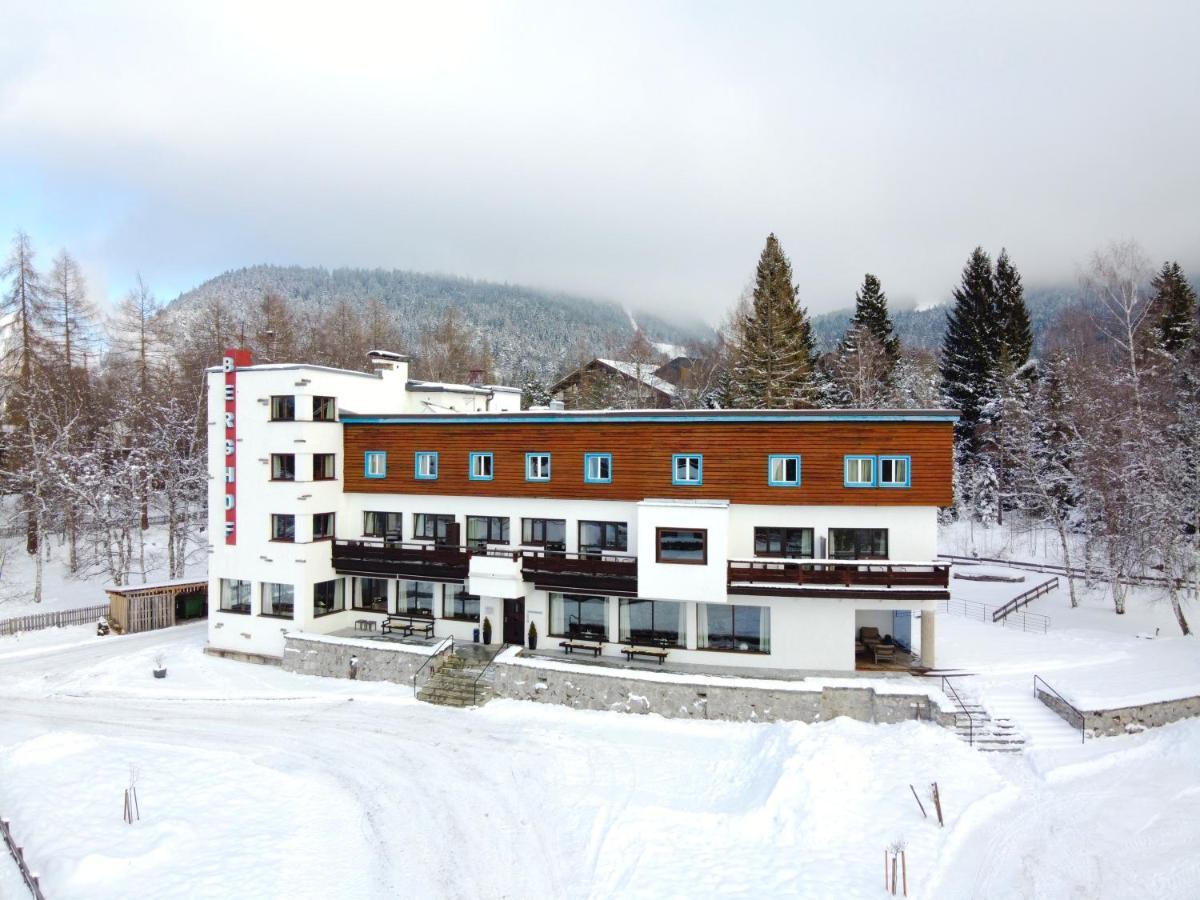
x: 388, y: 364
x: 475, y: 377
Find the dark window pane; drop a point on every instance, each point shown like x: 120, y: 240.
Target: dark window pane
x: 677, y: 545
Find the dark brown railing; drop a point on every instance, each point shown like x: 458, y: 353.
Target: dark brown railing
x: 413, y: 560
x: 580, y: 571
x: 1025, y: 598
x: 847, y: 573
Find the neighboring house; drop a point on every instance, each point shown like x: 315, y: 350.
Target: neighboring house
x: 614, y: 383
x: 737, y: 538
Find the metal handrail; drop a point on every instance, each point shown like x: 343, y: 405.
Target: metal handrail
x: 432, y: 656
x: 1023, y: 599
x: 1067, y: 703
x: 475, y: 683
x: 973, y: 609
x: 962, y: 706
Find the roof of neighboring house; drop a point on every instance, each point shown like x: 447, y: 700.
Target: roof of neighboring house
x: 643, y: 372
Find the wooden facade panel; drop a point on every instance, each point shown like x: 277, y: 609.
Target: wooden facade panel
x: 735, y: 459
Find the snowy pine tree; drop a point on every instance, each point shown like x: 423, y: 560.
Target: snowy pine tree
x: 1172, y: 312
x: 1016, y: 334
x: 871, y: 312
x: 970, y: 350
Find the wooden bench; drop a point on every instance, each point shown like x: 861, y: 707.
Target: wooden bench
x: 407, y: 625
x: 658, y: 651
x: 593, y: 646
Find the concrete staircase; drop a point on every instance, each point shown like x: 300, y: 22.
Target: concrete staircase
x: 453, y: 682
x: 987, y: 733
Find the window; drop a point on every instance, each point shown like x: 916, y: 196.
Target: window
x: 597, y: 468
x: 653, y: 621
x: 895, y: 471
x: 720, y: 626
x: 283, y: 409
x: 860, y: 471
x: 324, y: 467
x: 461, y: 605
x: 429, y: 527
x: 328, y: 597
x: 235, y: 596
x: 549, y: 533
x: 425, y: 466
x: 383, y: 525
x: 484, y: 530
x: 415, y: 598
x: 322, y: 526
x: 687, y: 468
x: 537, y: 466
x: 576, y: 616
x: 783, y: 470
x: 858, y: 543
x: 324, y: 409
x: 278, y: 600
x: 788, y: 543
x: 602, y: 537
x: 283, y: 527
x: 375, y: 464
x: 283, y: 467
x: 681, y: 545
x: 370, y: 594
x: 481, y: 467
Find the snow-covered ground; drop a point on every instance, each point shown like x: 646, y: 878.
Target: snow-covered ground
x: 253, y: 782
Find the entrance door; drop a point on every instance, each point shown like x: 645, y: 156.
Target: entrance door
x: 514, y: 621
x: 452, y: 538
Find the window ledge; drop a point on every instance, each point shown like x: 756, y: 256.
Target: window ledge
x: 277, y: 616
x: 235, y: 612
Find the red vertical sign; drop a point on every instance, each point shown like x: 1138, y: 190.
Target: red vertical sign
x: 234, y: 359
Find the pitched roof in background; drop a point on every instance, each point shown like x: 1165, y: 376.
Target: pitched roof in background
x: 640, y: 372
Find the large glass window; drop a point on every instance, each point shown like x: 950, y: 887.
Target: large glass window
x: 283, y: 467
x: 278, y: 600
x: 788, y: 543
x: 653, y: 621
x: 549, y: 533
x: 687, y: 468
x: 383, y: 524
x: 484, y: 530
x: 329, y: 597
x: 324, y: 467
x: 235, y: 595
x: 575, y: 615
x: 322, y: 526
x: 283, y: 409
x: 603, y: 537
x: 416, y: 598
x: 430, y: 527
x: 682, y: 545
x: 858, y: 543
x: 720, y: 626
x: 461, y: 605
x: 371, y: 594
x: 324, y: 409
x: 283, y: 527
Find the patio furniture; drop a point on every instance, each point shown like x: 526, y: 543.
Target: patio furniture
x: 364, y: 624
x: 657, y: 650
x: 884, y: 652
x: 594, y: 647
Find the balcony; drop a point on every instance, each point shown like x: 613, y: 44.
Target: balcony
x: 413, y: 561
x: 831, y: 577
x: 587, y: 573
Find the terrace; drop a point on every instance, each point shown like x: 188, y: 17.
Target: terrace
x: 832, y: 577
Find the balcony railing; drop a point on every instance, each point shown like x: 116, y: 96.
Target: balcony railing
x: 415, y: 561
x: 839, y: 573
x: 586, y: 572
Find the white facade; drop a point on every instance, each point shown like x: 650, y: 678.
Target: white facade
x: 810, y: 632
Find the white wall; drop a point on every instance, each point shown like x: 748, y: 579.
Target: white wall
x: 681, y: 581
x: 912, y: 530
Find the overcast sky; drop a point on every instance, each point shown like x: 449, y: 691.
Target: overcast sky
x: 639, y: 152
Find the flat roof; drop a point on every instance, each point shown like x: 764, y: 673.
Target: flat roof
x: 585, y: 416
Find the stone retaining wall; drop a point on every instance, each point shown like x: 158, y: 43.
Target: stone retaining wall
x: 1122, y: 720
x: 703, y: 700
x: 386, y: 662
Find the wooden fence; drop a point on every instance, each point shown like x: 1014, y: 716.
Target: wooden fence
x: 18, y: 855
x: 37, y: 621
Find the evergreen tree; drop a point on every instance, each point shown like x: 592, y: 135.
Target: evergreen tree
x: 1012, y: 315
x: 871, y: 312
x: 1172, y: 311
x: 971, y: 348
x: 775, y: 359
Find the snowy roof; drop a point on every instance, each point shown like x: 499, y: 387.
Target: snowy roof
x: 446, y: 386
x: 643, y: 372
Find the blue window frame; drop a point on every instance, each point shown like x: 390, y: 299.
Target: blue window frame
x: 375, y: 464
x: 425, y: 465
x: 859, y: 471
x: 537, y: 466
x: 597, y: 468
x: 687, y: 469
x: 783, y: 470
x: 895, y: 471
x: 481, y: 467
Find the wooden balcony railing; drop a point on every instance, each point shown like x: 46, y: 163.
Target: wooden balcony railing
x: 402, y: 560
x: 585, y: 572
x: 838, y: 573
